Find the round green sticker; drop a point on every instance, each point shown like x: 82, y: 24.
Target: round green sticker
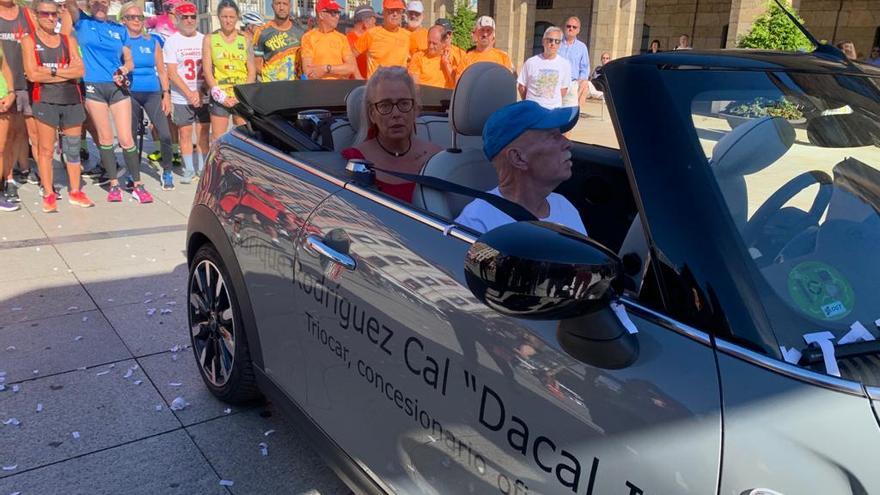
x: 820, y: 291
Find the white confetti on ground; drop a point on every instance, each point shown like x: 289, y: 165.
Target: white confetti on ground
x: 2, y: 387
x: 264, y: 449
x: 179, y: 404
x: 175, y: 384
x: 171, y: 303
x: 85, y: 318
x: 228, y: 410
x: 110, y: 300
x: 78, y: 337
x: 36, y: 372
x: 151, y: 311
x: 268, y: 432
x: 12, y: 421
x: 159, y: 407
x: 148, y: 301
x: 128, y: 374
x: 222, y: 482
x: 10, y: 348
x: 176, y: 348
x: 165, y: 311
x: 39, y: 407
x: 13, y: 467
x: 138, y: 382
x: 72, y: 308
x: 148, y: 294
x: 16, y: 388
x: 174, y: 357
x: 101, y: 373
x: 16, y: 308
x: 75, y: 435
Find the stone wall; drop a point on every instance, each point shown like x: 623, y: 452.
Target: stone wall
x: 702, y: 20
x: 856, y: 21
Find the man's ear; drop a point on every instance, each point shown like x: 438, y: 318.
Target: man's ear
x: 516, y: 158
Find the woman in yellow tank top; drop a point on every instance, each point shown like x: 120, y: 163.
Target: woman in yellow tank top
x: 228, y: 60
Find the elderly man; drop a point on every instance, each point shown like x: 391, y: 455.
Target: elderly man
x: 578, y: 56
x: 418, y: 40
x: 276, y: 44
x: 364, y: 20
x: 450, y: 51
x: 386, y: 45
x: 326, y: 53
x: 433, y: 67
x: 684, y: 42
x: 545, y: 78
x: 524, y: 141
x: 484, y: 51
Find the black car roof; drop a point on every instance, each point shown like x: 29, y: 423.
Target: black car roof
x: 752, y: 60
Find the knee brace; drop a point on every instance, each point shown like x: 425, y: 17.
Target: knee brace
x: 70, y: 145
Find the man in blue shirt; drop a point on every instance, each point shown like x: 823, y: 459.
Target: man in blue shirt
x: 575, y: 51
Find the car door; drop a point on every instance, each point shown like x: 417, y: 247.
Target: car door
x: 266, y: 198
x: 432, y: 391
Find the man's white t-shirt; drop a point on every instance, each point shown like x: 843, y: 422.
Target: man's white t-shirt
x: 544, y: 79
x: 186, y: 52
x: 483, y: 217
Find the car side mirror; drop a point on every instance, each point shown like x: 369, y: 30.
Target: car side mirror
x: 540, y: 270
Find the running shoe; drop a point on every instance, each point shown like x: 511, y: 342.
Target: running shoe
x: 79, y: 198
x: 114, y: 195
x: 155, y: 156
x: 167, y: 181
x: 141, y: 195
x: 32, y: 177
x: 20, y: 176
x: 55, y: 189
x: 11, y: 192
x: 6, y: 205
x: 50, y: 204
x: 187, y: 177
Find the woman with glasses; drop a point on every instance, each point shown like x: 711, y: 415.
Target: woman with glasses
x: 149, y: 84
x: 387, y: 132
x: 107, y: 64
x: 229, y: 61
x: 53, y: 66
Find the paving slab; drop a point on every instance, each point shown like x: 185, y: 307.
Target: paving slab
x: 51, y: 345
x: 38, y: 298
x: 231, y: 444
x: 135, y: 251
x: 179, y: 377
x: 130, y: 284
x: 31, y: 262
x: 145, y: 333
x: 168, y: 464
x: 98, y: 405
x: 19, y: 226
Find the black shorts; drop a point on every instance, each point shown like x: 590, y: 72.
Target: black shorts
x: 108, y: 93
x: 219, y: 109
x: 183, y: 115
x: 62, y: 116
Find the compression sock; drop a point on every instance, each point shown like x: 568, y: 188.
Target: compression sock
x: 188, y: 164
x: 108, y: 159
x: 131, y: 163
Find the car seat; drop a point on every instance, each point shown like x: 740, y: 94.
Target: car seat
x: 345, y: 132
x: 483, y: 88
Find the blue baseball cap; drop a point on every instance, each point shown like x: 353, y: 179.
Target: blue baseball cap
x: 509, y: 122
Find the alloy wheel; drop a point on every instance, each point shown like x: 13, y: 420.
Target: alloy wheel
x: 212, y: 323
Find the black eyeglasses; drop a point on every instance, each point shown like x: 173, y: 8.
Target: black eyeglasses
x: 133, y: 17
x: 46, y: 14
x: 384, y: 107
x: 553, y: 41
x: 569, y: 26
x: 186, y: 17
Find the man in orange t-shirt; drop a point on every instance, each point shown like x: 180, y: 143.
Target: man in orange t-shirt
x: 325, y: 51
x: 485, y: 51
x: 364, y: 20
x: 433, y: 67
x: 386, y: 45
x: 418, y: 40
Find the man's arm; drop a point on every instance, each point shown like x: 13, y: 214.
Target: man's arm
x: 73, y: 10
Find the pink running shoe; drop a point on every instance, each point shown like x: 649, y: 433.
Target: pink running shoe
x: 115, y: 195
x: 141, y: 195
x: 79, y: 198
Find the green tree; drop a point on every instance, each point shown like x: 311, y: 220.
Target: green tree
x: 773, y: 30
x: 463, y: 20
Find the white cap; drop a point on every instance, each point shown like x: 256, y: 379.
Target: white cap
x: 415, y: 6
x: 484, y: 21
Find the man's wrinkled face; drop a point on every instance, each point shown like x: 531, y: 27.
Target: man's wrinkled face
x: 393, y: 17
x: 484, y: 37
x: 281, y: 8
x: 435, y: 41
x: 551, y: 43
x: 329, y: 18
x: 548, y: 155
x: 414, y: 19
x: 683, y: 41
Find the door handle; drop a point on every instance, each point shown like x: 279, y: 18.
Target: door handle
x: 317, y: 246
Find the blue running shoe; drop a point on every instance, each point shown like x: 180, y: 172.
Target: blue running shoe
x: 167, y: 181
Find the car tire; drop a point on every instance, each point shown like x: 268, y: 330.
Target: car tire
x: 216, y: 329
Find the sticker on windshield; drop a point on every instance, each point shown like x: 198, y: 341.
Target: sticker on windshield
x: 820, y: 291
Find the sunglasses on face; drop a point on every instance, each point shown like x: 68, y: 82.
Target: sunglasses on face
x: 47, y: 14
x: 384, y: 107
x: 188, y: 17
x: 553, y: 41
x: 569, y: 26
x: 133, y: 17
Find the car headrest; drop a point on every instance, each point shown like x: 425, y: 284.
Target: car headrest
x: 752, y: 146
x: 354, y: 106
x: 483, y: 88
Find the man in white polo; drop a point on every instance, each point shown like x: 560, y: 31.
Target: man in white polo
x: 545, y: 78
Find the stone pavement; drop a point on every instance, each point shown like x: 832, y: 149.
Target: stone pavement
x: 88, y: 375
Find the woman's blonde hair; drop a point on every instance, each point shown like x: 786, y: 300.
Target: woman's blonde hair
x: 384, y: 74
x: 125, y: 7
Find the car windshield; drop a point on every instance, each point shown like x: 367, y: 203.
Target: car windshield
x: 796, y: 158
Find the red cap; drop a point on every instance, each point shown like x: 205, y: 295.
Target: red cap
x: 393, y: 4
x: 186, y: 8
x: 323, y: 5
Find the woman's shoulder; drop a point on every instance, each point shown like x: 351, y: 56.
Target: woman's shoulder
x: 352, y: 153
x: 420, y: 144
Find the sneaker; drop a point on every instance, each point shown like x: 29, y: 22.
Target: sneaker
x: 115, y: 195
x: 55, y: 189
x: 79, y: 198
x: 141, y: 195
x: 155, y: 156
x: 11, y: 192
x: 20, y: 176
x: 95, y: 171
x: 32, y: 177
x: 50, y: 204
x: 177, y: 161
x: 167, y: 181
x: 129, y: 183
x: 6, y: 205
x: 187, y: 177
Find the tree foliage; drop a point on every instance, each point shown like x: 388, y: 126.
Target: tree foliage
x: 463, y: 20
x: 773, y: 30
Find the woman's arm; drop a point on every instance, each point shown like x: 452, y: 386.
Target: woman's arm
x: 73, y: 10
x: 75, y: 69
x: 163, y: 79
x: 207, y: 64
x: 7, y: 100
x: 33, y: 71
x: 251, y: 64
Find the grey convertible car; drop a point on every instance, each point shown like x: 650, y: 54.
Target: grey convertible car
x: 717, y: 333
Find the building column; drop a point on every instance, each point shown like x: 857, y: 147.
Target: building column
x: 616, y: 28
x: 742, y: 14
x: 436, y: 9
x: 514, y: 28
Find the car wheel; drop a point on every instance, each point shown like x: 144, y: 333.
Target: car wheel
x: 216, y: 330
